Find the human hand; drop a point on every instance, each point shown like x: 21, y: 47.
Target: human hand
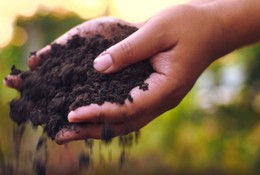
x: 181, y: 42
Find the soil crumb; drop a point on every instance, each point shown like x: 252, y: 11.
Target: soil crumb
x: 67, y: 80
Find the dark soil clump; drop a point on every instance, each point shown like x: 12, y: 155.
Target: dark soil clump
x: 67, y: 80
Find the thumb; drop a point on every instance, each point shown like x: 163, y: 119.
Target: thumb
x: 142, y: 44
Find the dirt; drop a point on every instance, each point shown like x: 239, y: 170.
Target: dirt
x: 67, y: 80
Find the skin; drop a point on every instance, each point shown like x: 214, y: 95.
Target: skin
x: 194, y: 35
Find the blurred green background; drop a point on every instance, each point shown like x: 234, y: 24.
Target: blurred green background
x: 215, y: 130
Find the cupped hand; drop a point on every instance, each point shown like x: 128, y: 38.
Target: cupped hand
x: 180, y: 43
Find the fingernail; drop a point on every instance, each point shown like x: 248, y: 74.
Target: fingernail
x: 62, y: 137
x: 71, y: 116
x: 103, y: 62
x: 33, y: 61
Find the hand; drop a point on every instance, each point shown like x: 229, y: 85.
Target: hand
x: 181, y: 42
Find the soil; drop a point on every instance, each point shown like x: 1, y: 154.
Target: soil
x: 67, y: 80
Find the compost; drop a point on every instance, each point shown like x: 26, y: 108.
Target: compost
x: 67, y: 80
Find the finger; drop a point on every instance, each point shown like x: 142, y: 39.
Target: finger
x: 144, y: 103
x: 97, y: 113
x: 13, y: 81
x: 105, y: 26
x: 35, y: 59
x: 79, y: 132
x: 98, y: 131
x: 142, y: 44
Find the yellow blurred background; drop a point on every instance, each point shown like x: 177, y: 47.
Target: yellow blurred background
x: 130, y: 10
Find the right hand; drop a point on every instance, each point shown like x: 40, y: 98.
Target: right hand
x: 180, y: 42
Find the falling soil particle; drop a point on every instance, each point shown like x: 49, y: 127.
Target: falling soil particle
x: 67, y: 80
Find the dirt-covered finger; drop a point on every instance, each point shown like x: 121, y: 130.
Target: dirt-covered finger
x: 13, y: 81
x: 103, y: 131
x: 35, y: 59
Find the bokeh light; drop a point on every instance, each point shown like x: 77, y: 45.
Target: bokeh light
x: 131, y: 10
x: 139, y: 10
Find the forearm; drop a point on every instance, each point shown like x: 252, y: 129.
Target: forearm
x: 240, y: 20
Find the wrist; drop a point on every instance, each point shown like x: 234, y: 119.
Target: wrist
x: 238, y: 20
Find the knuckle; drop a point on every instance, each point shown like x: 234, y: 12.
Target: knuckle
x: 126, y: 51
x: 33, y: 62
